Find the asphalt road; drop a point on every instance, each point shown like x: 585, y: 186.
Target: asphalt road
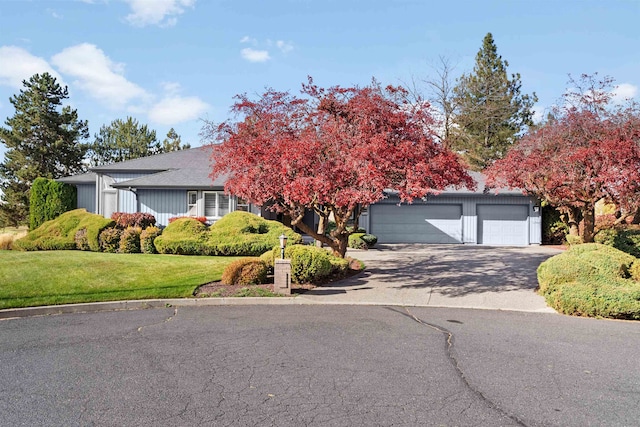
x: 318, y: 366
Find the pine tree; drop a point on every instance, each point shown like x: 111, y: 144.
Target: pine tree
x: 173, y: 142
x: 492, y: 112
x: 123, y: 140
x: 43, y: 139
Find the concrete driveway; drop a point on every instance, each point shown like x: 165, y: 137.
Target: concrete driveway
x: 498, y: 278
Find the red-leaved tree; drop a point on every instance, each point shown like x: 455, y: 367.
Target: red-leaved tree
x: 333, y: 151
x: 587, y: 151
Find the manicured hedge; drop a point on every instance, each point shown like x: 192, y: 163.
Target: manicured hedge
x: 48, y: 199
x: 60, y: 233
x: 236, y: 234
x: 626, y: 239
x: 362, y: 240
x: 592, y: 280
x: 245, y: 271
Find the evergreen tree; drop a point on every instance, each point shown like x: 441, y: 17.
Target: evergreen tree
x: 492, y: 112
x: 43, y: 139
x: 123, y: 140
x: 173, y: 142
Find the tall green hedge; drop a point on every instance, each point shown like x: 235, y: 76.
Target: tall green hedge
x: 48, y: 200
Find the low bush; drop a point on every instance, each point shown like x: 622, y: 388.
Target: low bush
x: 147, y: 238
x: 82, y: 240
x: 236, y: 234
x: 592, y: 280
x: 6, y: 242
x: 130, y: 241
x: 202, y: 219
x: 185, y: 236
x: 624, y: 238
x: 60, y: 233
x: 110, y: 239
x: 139, y: 219
x: 269, y: 258
x: 362, y: 240
x: 308, y: 263
x: 245, y: 271
x: 245, y: 234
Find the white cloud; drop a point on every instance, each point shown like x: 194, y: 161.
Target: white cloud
x: 247, y: 39
x: 538, y: 114
x: 54, y: 14
x: 624, y: 92
x: 175, y: 109
x: 96, y: 74
x: 253, y: 55
x: 17, y: 64
x: 285, y: 47
x: 156, y: 12
x: 171, y: 88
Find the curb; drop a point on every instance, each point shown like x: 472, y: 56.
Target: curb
x: 95, y: 307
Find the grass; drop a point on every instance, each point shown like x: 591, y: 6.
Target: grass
x: 10, y: 234
x: 30, y: 279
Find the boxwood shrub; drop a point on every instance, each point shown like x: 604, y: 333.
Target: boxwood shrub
x: 308, y: 263
x: 60, y: 233
x: 110, y: 239
x: 362, y: 240
x: 185, y: 236
x: 592, y: 280
x: 130, y: 240
x: 235, y: 234
x: 147, y: 238
x: 626, y: 239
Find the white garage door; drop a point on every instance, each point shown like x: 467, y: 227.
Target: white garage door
x: 503, y: 225
x: 416, y: 223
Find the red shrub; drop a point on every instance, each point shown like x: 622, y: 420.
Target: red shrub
x: 124, y: 220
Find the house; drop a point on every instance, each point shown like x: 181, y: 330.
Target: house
x: 178, y: 184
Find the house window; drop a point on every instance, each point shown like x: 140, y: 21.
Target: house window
x: 242, y: 205
x: 216, y: 204
x: 192, y: 203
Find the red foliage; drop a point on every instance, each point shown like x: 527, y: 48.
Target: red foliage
x: 586, y: 153
x: 202, y: 219
x: 138, y: 219
x: 331, y: 151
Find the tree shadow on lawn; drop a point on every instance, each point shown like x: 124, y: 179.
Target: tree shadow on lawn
x: 451, y: 270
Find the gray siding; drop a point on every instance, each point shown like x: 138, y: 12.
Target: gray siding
x: 163, y: 204
x: 470, y: 217
x: 126, y: 199
x: 87, y: 197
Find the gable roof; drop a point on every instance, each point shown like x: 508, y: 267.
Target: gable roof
x: 192, y: 157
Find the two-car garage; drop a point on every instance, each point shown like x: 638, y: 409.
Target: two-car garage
x: 486, y: 220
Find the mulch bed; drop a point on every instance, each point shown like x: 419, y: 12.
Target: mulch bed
x: 217, y: 289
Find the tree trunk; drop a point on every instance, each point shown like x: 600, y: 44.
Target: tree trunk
x: 573, y: 219
x: 321, y: 227
x: 589, y: 223
x: 342, y: 244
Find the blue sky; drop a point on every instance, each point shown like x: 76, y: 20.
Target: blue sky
x: 171, y: 63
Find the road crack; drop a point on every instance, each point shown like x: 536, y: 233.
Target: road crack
x: 168, y: 319
x: 451, y: 356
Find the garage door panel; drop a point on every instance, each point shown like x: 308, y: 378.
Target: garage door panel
x: 503, y: 225
x: 417, y: 223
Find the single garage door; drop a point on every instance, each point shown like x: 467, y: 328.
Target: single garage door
x: 503, y: 225
x: 416, y: 223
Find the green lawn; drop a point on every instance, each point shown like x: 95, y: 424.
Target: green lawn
x: 62, y: 277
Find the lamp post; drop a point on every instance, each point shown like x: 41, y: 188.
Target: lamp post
x: 283, y: 244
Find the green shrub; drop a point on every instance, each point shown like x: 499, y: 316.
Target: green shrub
x: 110, y: 239
x: 573, y: 240
x: 244, y: 234
x: 308, y: 263
x: 147, y: 238
x: 634, y: 271
x: 59, y: 233
x: 82, y: 240
x: 362, y: 240
x: 48, y: 199
x: 626, y: 239
x: 269, y: 259
x: 245, y: 271
x: 185, y: 236
x: 130, y: 241
x: 592, y: 280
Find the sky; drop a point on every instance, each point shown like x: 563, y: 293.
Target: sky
x: 175, y: 63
